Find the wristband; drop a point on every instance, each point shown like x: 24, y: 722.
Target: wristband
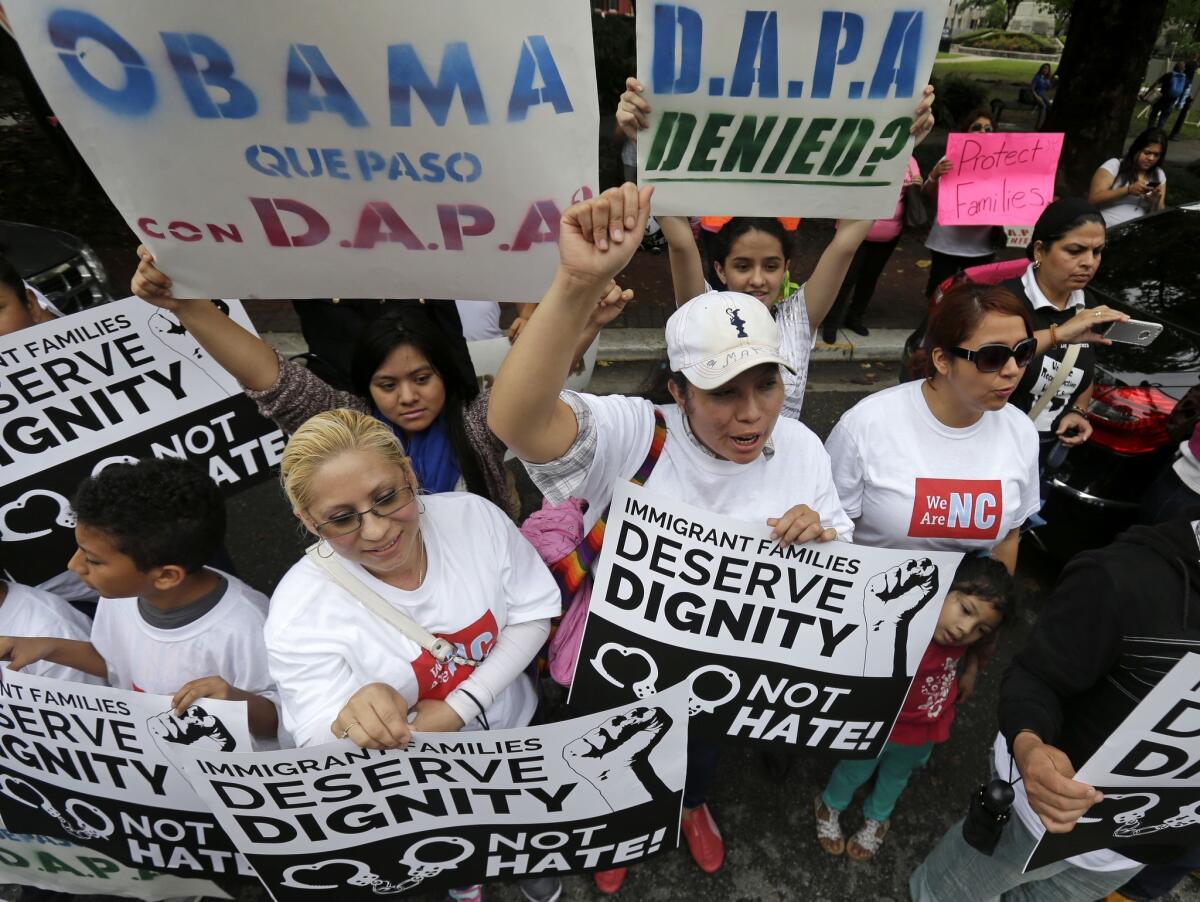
x: 1053, y: 336
x: 1075, y: 408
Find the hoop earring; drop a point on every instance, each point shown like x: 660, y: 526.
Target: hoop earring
x: 324, y: 549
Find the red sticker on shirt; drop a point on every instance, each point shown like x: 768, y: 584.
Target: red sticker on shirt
x: 957, y: 509
x: 436, y: 679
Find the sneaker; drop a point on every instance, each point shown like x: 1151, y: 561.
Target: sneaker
x: 467, y: 893
x: 866, y: 842
x: 541, y: 889
x: 704, y: 839
x: 610, y: 881
x: 829, y: 828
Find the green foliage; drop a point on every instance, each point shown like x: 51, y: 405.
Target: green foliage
x: 1017, y: 42
x: 958, y: 95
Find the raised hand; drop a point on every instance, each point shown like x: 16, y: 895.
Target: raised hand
x: 633, y: 110
x: 891, y: 600
x: 598, y: 237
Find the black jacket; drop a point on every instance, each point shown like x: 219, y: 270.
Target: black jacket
x: 1119, y: 618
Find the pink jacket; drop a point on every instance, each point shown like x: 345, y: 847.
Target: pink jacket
x: 888, y: 229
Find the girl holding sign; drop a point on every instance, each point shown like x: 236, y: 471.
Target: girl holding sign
x: 751, y: 254
x: 406, y: 372
x: 722, y: 444
x: 352, y: 635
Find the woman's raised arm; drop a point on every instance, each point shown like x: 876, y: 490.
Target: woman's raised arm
x: 596, y: 240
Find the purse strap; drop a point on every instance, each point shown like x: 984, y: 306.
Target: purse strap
x: 441, y: 649
x: 1064, y: 370
x: 571, y: 570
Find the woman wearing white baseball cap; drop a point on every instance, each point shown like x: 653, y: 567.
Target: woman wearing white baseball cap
x: 721, y: 445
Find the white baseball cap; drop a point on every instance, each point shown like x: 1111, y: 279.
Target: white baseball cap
x: 718, y: 335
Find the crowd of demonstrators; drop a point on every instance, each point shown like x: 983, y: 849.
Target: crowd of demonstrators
x: 1135, y: 185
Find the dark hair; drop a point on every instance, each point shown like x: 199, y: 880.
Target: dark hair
x: 1045, y: 66
x: 722, y: 245
x: 1051, y: 231
x: 958, y: 315
x: 411, y: 327
x: 158, y: 512
x: 980, y: 113
x: 987, y: 578
x: 1128, y: 167
x: 10, y: 278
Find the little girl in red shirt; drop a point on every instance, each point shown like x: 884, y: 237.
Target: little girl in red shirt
x: 980, y: 599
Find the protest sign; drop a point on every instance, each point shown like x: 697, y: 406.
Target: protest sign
x: 454, y: 809
x: 1001, y: 179
x: 1149, y: 772
x: 1018, y: 236
x: 61, y: 866
x: 782, y: 108
x: 87, y: 763
x: 810, y: 645
x: 111, y: 384
x: 299, y: 148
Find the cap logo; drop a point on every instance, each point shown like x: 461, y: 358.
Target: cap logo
x: 736, y: 321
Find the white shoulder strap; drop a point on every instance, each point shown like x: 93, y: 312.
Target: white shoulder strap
x: 1064, y: 370
x: 441, y: 649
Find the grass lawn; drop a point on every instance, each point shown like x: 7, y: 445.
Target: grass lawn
x: 951, y: 56
x: 986, y: 68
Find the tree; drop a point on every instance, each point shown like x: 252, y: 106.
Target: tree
x: 1108, y: 45
x: 1004, y: 10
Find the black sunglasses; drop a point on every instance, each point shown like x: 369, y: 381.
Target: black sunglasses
x: 992, y: 358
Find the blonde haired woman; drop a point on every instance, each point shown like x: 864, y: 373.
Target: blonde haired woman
x: 452, y: 563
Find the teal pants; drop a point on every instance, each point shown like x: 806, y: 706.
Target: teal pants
x: 894, y: 766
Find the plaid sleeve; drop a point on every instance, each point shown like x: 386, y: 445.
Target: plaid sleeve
x: 561, y: 478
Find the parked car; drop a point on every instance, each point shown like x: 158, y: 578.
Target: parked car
x: 58, y: 264
x: 1149, y: 272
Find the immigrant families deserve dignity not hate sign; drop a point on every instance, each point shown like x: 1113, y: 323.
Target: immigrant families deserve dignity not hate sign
x: 784, y: 107
x: 300, y: 148
x: 998, y: 179
x: 813, y: 646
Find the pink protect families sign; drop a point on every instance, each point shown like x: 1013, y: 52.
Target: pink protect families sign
x: 998, y: 179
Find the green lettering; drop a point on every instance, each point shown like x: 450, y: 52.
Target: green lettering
x: 710, y: 140
x: 809, y: 144
x: 775, y: 160
x: 847, y: 146
x: 748, y: 144
x: 53, y: 865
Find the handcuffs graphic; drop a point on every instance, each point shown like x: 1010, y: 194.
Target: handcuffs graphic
x: 71, y: 821
x: 419, y: 870
x: 646, y: 686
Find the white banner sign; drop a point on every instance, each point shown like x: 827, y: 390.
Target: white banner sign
x: 783, y: 107
x: 300, y: 148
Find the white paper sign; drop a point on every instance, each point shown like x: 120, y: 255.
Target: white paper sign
x: 301, y: 148
x: 784, y: 107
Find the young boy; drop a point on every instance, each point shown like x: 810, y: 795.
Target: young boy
x: 166, y: 623
x: 26, y: 611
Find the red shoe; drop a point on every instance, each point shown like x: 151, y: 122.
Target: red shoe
x: 609, y: 882
x: 704, y: 840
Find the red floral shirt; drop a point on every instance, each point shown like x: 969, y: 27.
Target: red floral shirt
x: 928, y: 709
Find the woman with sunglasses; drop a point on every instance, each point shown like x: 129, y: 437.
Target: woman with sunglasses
x: 946, y: 462
x: 451, y: 563
x: 956, y: 248
x: 1065, y: 252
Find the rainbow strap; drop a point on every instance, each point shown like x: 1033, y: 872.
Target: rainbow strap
x: 570, y: 571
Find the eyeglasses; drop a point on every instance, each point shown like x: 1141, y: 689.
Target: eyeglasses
x: 992, y: 358
x: 344, y: 524
x: 981, y: 128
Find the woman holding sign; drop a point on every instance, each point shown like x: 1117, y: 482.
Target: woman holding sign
x: 412, y: 612
x: 406, y: 371
x: 722, y: 444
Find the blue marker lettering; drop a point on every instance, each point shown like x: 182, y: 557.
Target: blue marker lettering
x: 182, y: 50
x: 665, y: 79
x: 66, y: 27
x: 760, y: 43
x: 832, y: 52
x: 273, y: 166
x: 900, y: 55
x: 536, y: 59
x: 406, y: 74
x: 306, y: 62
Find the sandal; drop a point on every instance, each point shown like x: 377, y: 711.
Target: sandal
x: 866, y: 842
x: 829, y: 829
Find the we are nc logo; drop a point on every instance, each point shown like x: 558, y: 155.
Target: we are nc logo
x: 957, y: 509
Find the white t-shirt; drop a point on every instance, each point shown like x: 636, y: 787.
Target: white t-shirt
x: 480, y: 319
x: 1100, y: 860
x: 32, y: 612
x: 798, y: 471
x: 909, y: 481
x: 960, y: 241
x: 226, y: 642
x: 482, y: 576
x: 1128, y: 207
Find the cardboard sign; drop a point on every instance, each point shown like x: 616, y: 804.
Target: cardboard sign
x: 88, y: 764
x: 784, y: 107
x: 454, y: 809
x: 112, y: 384
x: 1149, y: 772
x: 298, y: 148
x: 773, y: 642
x: 1001, y: 179
x: 1018, y: 236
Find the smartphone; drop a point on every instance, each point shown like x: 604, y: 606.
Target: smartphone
x: 1153, y: 183
x: 1135, y: 332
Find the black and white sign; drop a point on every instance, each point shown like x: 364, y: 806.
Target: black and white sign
x: 337, y: 821
x: 810, y: 645
x: 1149, y: 773
x: 112, y: 384
x: 87, y: 764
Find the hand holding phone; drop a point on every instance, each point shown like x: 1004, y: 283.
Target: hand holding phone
x: 1133, y: 332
